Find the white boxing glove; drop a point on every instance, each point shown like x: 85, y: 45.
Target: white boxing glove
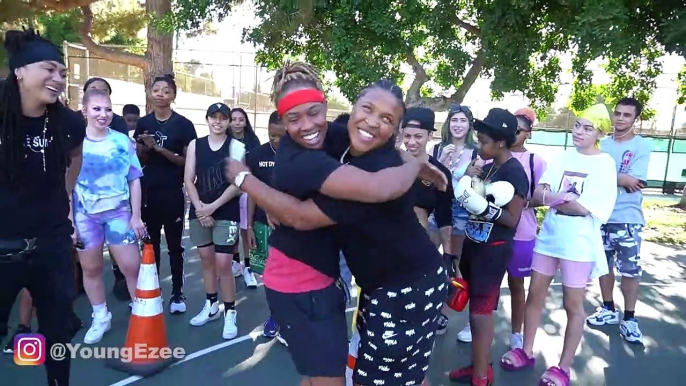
x: 500, y: 193
x: 467, y: 197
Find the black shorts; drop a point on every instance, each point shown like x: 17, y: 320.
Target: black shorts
x: 397, y: 326
x: 314, y: 325
x: 483, y: 266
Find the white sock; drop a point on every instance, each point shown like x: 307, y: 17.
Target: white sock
x: 100, y: 310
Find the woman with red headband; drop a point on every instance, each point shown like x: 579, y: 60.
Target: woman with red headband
x: 397, y: 267
x: 301, y: 276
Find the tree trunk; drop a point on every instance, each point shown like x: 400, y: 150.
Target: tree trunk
x: 158, y: 57
x: 159, y: 53
x: 682, y: 202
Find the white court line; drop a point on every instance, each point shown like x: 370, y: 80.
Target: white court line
x: 200, y: 353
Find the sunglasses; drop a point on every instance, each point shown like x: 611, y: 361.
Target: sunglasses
x: 459, y: 109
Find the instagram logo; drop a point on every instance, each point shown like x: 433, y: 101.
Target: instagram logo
x: 29, y: 349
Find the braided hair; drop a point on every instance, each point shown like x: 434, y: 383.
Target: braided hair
x: 391, y: 87
x: 292, y: 75
x: 12, y: 135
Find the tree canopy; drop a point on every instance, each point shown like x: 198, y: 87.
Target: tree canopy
x: 448, y: 44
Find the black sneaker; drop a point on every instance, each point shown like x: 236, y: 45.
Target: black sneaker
x: 177, y: 303
x: 21, y: 329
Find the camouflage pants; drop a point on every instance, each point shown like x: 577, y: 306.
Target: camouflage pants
x: 622, y: 248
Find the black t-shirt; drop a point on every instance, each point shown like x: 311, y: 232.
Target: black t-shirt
x: 428, y: 197
x: 174, y: 135
x: 119, y: 124
x: 211, y: 181
x: 41, y: 208
x: 481, y: 231
x: 250, y: 140
x: 384, y: 244
x: 261, y: 163
x: 300, y: 172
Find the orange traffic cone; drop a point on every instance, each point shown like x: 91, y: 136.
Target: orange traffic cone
x: 147, y: 336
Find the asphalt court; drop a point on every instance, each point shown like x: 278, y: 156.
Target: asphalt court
x: 602, y: 359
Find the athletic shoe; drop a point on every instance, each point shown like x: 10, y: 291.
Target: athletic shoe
x: 442, y: 324
x: 237, y: 269
x: 516, y: 341
x: 209, y: 312
x: 270, y: 328
x: 230, y: 330
x: 249, y: 278
x: 629, y: 330
x: 177, y: 304
x: 21, y: 329
x: 465, y: 336
x: 603, y: 316
x: 100, y: 325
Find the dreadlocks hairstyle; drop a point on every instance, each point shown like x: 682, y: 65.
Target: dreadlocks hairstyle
x: 12, y: 135
x: 294, y: 74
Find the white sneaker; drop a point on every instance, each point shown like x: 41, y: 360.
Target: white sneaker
x: 101, y: 324
x: 230, y: 330
x: 249, y: 278
x: 237, y: 269
x: 177, y: 305
x: 465, y: 336
x: 209, y: 312
x: 629, y: 330
x: 281, y: 340
x: 603, y: 316
x: 516, y: 341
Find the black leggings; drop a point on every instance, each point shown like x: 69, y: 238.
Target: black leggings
x: 48, y: 275
x: 166, y: 208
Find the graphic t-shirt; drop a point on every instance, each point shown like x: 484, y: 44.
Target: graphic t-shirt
x: 631, y: 157
x: 578, y: 238
x: 108, y: 166
x: 174, y: 135
x: 41, y: 207
x: 478, y: 229
x: 526, y: 230
x: 261, y: 163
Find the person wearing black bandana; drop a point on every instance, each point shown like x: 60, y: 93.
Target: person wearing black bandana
x: 40, y: 159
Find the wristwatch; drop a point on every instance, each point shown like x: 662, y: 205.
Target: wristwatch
x: 240, y: 177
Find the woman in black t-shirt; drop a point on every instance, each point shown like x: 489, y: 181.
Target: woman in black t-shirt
x: 40, y: 159
x: 495, y: 202
x: 398, y: 268
x: 303, y: 265
x: 213, y: 217
x: 242, y: 130
x: 164, y: 136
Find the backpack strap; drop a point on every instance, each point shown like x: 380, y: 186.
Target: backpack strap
x: 532, y: 184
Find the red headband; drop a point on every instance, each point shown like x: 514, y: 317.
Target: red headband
x: 297, y: 98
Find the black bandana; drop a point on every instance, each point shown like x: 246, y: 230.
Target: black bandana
x: 36, y: 51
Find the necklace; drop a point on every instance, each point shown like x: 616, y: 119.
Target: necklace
x: 345, y: 153
x: 270, y: 145
x: 44, y: 142
x: 614, y: 135
x: 489, y: 175
x: 452, y: 164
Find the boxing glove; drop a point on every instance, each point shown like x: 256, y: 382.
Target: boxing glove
x: 500, y: 193
x: 478, y: 186
x: 474, y: 203
x: 460, y: 297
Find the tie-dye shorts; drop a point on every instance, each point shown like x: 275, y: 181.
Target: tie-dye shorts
x: 111, y: 226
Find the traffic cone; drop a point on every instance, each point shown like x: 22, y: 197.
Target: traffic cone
x: 147, y: 334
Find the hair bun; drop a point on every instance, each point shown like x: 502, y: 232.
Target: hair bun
x: 170, y: 76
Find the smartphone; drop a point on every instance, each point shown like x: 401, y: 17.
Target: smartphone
x: 237, y: 150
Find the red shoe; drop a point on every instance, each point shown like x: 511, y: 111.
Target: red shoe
x: 466, y: 375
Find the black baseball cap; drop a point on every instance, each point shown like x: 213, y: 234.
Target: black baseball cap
x: 499, y: 124
x: 425, y: 117
x: 218, y: 107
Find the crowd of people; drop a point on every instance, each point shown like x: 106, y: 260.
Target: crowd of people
x: 363, y: 193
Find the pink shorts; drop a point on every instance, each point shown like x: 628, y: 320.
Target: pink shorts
x: 244, y: 210
x: 575, y: 274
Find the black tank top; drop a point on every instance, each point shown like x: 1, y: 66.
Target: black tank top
x: 211, y: 181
